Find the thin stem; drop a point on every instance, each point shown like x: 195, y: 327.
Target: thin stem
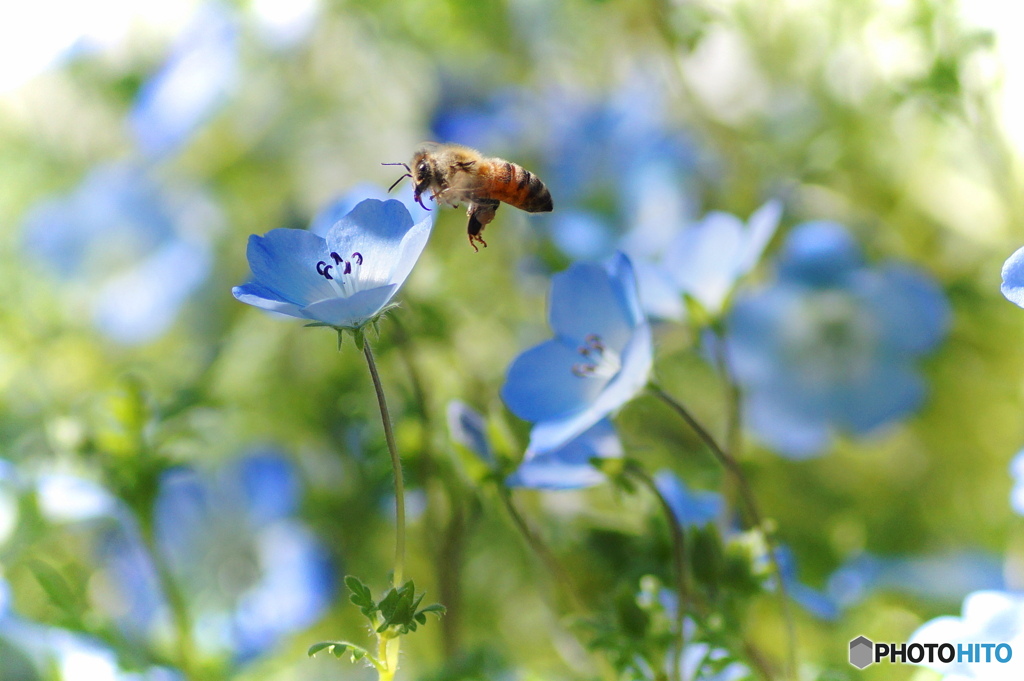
x: 753, y: 512
x: 448, y: 539
x: 540, y: 548
x: 396, y: 465
x: 678, y: 566
x: 186, y: 653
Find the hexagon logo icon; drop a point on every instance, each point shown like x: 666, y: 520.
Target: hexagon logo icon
x: 861, y: 652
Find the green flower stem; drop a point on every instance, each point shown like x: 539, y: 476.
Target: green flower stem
x: 388, y: 647
x: 449, y: 536
x: 396, y: 465
x: 182, y: 620
x: 538, y: 546
x: 678, y: 566
x: 753, y: 512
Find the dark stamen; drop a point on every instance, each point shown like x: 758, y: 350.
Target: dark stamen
x: 324, y: 270
x: 348, y: 267
x: 359, y: 257
x: 337, y: 258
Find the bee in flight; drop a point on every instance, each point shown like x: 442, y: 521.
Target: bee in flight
x: 455, y: 174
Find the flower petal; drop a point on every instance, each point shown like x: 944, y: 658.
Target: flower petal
x: 789, y: 432
x: 819, y: 254
x: 285, y: 262
x: 601, y: 299
x: 703, y: 258
x: 353, y: 311
x: 569, y: 467
x: 885, y: 393
x: 637, y: 358
x: 468, y: 428
x: 692, y: 509
x: 380, y: 241
x: 260, y: 296
x: 761, y: 227
x: 541, y: 385
x: 1013, y: 278
x: 911, y: 310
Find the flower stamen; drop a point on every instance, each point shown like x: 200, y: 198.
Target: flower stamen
x: 602, y: 361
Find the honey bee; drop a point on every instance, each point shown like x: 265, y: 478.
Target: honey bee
x: 455, y: 174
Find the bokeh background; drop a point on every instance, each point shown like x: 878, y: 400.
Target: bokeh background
x: 144, y: 411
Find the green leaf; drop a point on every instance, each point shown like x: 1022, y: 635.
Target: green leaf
x: 337, y: 648
x: 361, y: 596
x: 54, y: 584
x: 436, y: 608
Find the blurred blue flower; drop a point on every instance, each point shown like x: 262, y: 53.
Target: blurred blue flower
x: 706, y: 259
x: 833, y: 344
x: 987, y: 617
x: 818, y: 603
x: 468, y: 428
x: 691, y: 509
x: 196, y: 79
x: 132, y: 247
x: 249, y: 570
x: 344, y: 279
x: 1013, y: 278
x: 569, y: 466
x: 937, y: 578
x: 599, y: 359
x: 1017, y: 471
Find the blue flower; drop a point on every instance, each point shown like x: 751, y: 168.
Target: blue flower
x: 569, y: 466
x: 833, y: 344
x: 1017, y: 471
x: 818, y: 603
x: 1013, y: 278
x: 251, y: 572
x: 197, y: 77
x: 599, y: 359
x: 691, y: 509
x: 132, y: 246
x: 344, y: 279
x: 937, y: 578
x: 468, y: 428
x: 707, y: 258
x: 987, y: 617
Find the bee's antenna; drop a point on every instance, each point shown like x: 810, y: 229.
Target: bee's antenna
x: 408, y: 173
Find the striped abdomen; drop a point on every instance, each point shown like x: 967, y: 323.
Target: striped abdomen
x: 517, y: 187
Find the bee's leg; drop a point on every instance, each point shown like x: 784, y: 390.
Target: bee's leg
x: 480, y: 213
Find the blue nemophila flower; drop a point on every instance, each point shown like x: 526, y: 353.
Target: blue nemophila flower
x: 599, y: 359
x: 706, y: 259
x: 987, y: 617
x: 832, y: 345
x: 128, y: 247
x: 569, y: 466
x: 1013, y: 278
x: 690, y: 508
x: 344, y: 279
x: 249, y: 570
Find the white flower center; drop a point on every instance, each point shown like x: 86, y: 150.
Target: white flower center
x: 600, y: 361
x: 339, y: 272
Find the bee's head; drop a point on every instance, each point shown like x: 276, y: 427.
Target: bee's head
x: 423, y: 169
